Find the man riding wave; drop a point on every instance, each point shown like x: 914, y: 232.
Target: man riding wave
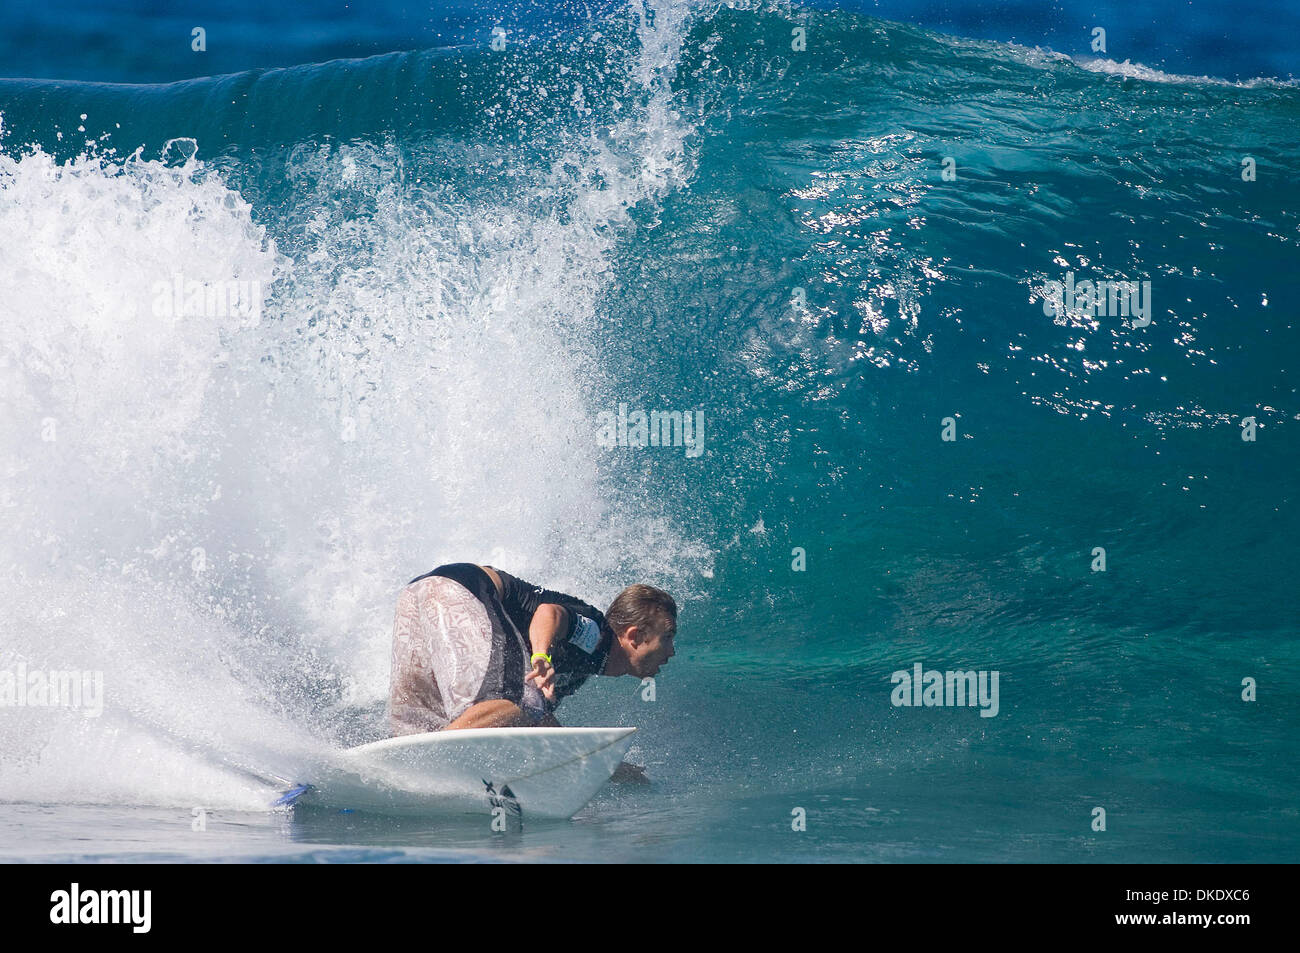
x: 475, y: 647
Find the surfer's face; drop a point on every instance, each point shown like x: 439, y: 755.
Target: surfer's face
x: 649, y: 652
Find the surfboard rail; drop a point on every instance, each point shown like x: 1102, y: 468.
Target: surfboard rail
x: 538, y: 772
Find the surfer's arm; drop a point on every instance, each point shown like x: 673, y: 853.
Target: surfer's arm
x: 543, y: 632
x: 548, y: 622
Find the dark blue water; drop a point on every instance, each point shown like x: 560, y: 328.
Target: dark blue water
x: 464, y: 255
x: 122, y: 41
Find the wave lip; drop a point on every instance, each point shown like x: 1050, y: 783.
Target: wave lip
x: 1129, y: 70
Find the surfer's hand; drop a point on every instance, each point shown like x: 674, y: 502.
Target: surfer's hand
x: 543, y: 676
x: 628, y: 773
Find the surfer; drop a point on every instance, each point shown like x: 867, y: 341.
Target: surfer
x: 475, y: 647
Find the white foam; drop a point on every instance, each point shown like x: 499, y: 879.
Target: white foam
x: 217, y: 513
x: 1130, y: 70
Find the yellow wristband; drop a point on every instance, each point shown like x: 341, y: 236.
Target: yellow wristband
x: 542, y: 655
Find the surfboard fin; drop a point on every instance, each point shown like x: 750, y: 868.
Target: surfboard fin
x: 290, y: 796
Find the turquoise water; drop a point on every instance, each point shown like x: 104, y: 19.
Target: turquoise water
x: 460, y: 257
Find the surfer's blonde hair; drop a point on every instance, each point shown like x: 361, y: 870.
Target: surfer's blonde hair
x: 645, y: 607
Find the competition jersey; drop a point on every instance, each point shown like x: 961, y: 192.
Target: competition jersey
x: 580, y: 649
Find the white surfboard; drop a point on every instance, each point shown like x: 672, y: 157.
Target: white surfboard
x: 535, y: 772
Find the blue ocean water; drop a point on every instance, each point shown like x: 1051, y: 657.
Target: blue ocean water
x: 460, y: 256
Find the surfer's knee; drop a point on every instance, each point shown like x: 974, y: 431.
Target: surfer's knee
x: 493, y: 713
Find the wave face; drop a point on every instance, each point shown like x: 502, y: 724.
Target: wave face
x: 440, y: 267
